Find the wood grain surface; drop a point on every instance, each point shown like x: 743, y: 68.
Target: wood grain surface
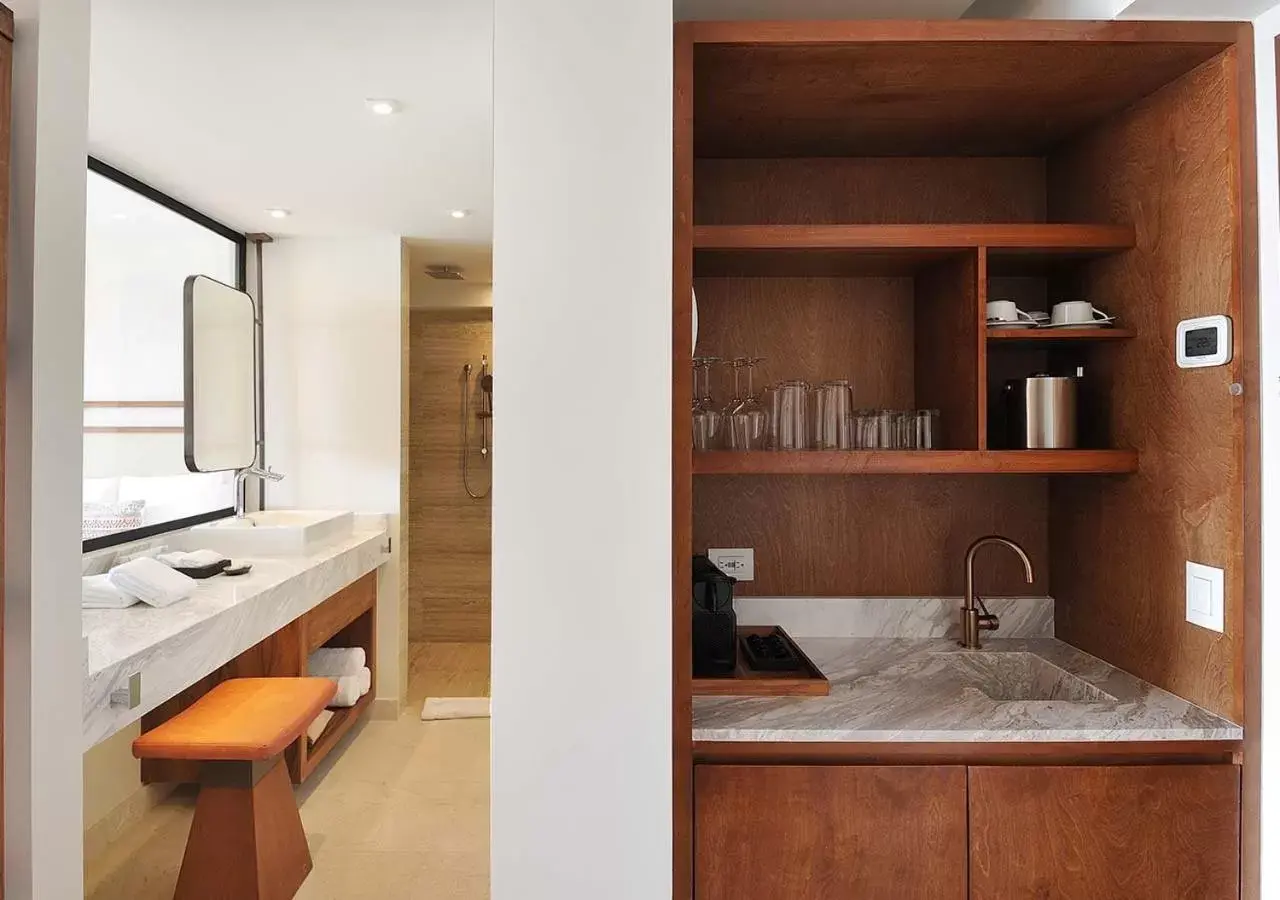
x: 6, y: 87
x: 894, y: 536
x: 246, y: 843
x: 682, y: 351
x: 1104, y: 832
x: 917, y: 99
x: 449, y: 534
x: 1167, y: 166
x: 913, y: 462
x: 948, y: 341
x: 877, y: 190
x: 870, y: 832
x: 240, y: 719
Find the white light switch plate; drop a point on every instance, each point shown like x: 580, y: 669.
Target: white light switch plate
x: 1206, y: 599
x: 739, y: 563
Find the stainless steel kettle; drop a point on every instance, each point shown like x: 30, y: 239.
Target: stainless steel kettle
x: 1041, y: 412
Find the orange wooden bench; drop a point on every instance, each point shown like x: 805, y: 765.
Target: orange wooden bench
x: 246, y: 840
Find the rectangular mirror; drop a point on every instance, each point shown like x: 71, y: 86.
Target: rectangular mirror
x: 221, y: 383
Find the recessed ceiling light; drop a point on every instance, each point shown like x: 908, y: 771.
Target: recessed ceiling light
x: 459, y: 213
x: 382, y: 107
x: 278, y: 213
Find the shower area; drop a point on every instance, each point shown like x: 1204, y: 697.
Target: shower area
x: 449, y: 456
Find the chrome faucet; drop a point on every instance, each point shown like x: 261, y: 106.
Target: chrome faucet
x: 255, y: 471
x: 973, y: 620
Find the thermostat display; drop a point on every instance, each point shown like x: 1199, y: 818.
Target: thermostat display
x: 1205, y: 341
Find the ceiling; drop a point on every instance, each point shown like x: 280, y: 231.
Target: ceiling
x: 239, y: 106
x: 689, y: 10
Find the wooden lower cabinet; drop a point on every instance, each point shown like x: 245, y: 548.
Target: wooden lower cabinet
x: 830, y: 832
x: 1104, y: 832
x: 1009, y: 832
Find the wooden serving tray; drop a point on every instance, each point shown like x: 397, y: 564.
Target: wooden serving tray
x: 746, y: 682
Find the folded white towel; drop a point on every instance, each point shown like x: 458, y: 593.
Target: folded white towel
x: 455, y: 708
x: 97, y: 592
x: 152, y: 582
x: 318, y: 725
x: 190, y: 559
x: 334, y: 662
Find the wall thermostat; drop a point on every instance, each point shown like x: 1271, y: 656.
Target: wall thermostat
x: 1205, y: 341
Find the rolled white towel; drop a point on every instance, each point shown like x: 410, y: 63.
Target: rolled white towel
x: 318, y: 725
x: 366, y: 680
x: 334, y: 662
x: 152, y: 582
x: 97, y: 592
x: 348, y: 691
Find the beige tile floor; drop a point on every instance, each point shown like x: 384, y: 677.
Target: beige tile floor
x: 401, y: 811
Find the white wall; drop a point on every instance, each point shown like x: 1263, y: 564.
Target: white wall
x: 43, y: 650
x: 1265, y: 30
x: 333, y: 313
x: 582, y: 280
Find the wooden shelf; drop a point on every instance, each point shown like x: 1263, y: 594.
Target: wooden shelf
x: 836, y: 250
x: 1057, y: 335
x: 916, y: 462
x: 339, y: 725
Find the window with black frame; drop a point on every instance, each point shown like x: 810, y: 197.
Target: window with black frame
x: 140, y: 248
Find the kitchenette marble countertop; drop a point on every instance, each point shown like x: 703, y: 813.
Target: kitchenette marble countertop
x: 913, y: 689
x: 174, y: 647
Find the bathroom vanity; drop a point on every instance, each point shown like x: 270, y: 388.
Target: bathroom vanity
x: 848, y: 198
x: 149, y: 664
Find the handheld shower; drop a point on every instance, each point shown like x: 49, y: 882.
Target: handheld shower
x: 484, y: 415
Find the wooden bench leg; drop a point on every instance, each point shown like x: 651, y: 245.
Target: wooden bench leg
x: 246, y: 840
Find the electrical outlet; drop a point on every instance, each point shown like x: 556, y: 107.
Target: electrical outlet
x: 1205, y: 596
x: 739, y: 563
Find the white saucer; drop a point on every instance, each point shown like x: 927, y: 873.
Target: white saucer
x: 1096, y: 323
x: 1005, y: 326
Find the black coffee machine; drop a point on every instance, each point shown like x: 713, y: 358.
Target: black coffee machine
x: 715, y: 626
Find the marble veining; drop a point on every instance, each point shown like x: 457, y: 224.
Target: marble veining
x: 899, y: 617
x: 886, y: 689
x: 176, y: 646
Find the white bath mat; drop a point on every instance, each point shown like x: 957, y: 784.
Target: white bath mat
x: 437, y: 708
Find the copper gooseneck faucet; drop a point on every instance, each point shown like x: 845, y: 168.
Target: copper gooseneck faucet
x: 974, y: 621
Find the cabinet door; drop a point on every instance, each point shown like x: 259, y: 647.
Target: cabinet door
x: 1105, y: 833
x: 829, y: 832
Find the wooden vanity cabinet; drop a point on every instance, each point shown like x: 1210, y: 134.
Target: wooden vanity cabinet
x: 1122, y: 832
x: 870, y: 832
x: 1098, y: 832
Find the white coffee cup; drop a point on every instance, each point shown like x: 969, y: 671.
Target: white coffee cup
x: 1006, y: 311
x: 1076, y: 312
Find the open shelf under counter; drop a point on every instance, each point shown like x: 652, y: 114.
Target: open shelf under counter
x: 916, y: 462
x: 835, y: 250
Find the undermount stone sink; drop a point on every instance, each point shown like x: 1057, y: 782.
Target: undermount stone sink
x: 1012, y: 675
x: 273, y: 532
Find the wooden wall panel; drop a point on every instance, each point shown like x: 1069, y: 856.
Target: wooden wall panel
x: 816, y: 329
x: 950, y: 336
x: 449, y: 534
x: 875, y: 536
x: 1120, y: 545
x: 911, y: 191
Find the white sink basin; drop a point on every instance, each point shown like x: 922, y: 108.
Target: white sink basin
x: 273, y: 532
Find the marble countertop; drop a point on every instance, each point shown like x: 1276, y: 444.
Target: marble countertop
x: 894, y: 689
x: 176, y: 646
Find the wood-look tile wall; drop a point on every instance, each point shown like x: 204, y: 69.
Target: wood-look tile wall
x: 448, y: 532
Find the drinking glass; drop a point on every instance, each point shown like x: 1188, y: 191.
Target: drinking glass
x: 905, y: 430
x: 927, y: 427
x: 790, y: 418
x: 748, y: 419
x: 835, y: 402
x: 886, y: 429
x: 707, y: 420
